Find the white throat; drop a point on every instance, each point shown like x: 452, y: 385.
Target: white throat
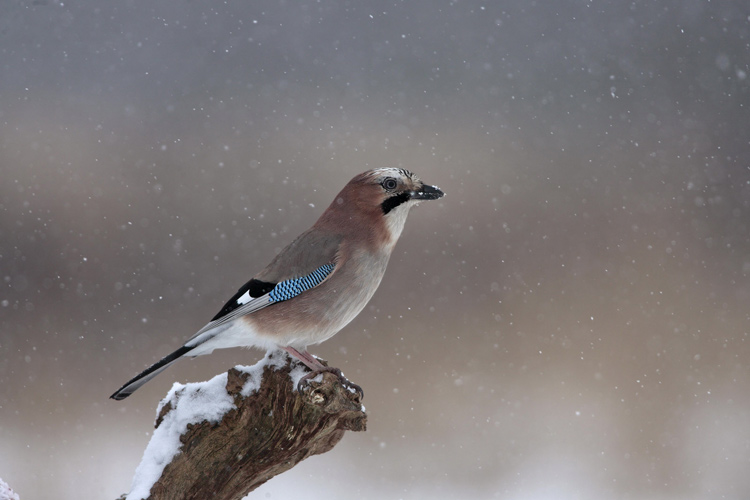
x: 395, y: 220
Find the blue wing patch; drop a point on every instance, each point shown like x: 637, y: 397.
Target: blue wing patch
x: 288, y: 289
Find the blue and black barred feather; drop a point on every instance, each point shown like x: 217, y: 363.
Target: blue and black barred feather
x: 288, y: 289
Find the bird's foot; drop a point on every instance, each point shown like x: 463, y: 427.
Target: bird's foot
x: 349, y: 385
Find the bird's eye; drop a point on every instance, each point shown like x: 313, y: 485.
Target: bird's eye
x: 389, y: 184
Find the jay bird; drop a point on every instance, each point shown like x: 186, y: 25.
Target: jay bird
x: 319, y: 282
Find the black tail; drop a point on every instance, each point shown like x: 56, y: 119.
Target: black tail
x: 152, y: 371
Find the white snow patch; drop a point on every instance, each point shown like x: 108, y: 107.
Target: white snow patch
x: 6, y: 492
x: 274, y: 358
x: 191, y: 404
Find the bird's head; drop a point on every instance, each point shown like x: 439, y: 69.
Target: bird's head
x: 382, y: 197
x: 392, y: 190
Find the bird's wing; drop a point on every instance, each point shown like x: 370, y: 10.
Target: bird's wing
x: 304, y: 264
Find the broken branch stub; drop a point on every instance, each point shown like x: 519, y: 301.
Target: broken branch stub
x: 267, y: 432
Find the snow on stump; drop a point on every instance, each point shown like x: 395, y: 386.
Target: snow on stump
x: 223, y: 438
x: 6, y: 492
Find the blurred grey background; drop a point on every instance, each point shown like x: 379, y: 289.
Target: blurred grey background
x: 569, y: 322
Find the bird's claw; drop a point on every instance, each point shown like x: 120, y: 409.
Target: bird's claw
x: 352, y: 386
x: 349, y: 385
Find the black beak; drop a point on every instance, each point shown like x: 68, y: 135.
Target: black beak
x: 427, y: 193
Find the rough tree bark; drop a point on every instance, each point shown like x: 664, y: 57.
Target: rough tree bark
x: 269, y: 432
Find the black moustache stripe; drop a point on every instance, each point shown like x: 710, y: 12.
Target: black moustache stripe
x: 394, y: 201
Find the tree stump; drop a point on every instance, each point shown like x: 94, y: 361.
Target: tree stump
x: 229, y: 435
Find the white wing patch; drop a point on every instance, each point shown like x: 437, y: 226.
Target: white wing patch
x: 245, y: 298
